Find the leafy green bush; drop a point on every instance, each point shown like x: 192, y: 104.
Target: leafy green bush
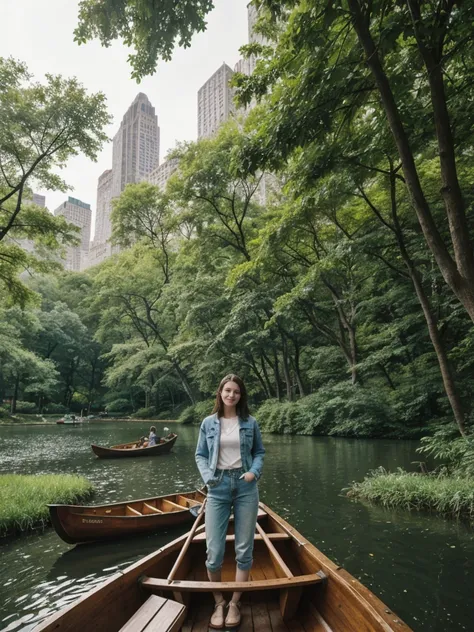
x: 145, y: 413
x: 4, y: 412
x: 119, y: 405
x: 26, y: 407
x: 53, y: 408
x: 455, y: 452
x: 188, y: 416
x: 339, y: 409
x: 164, y: 414
x: 195, y: 414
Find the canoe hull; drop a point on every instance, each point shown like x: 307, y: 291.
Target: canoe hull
x: 338, y: 603
x: 124, y: 453
x: 76, y: 524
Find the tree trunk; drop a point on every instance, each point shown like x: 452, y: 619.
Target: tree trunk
x: 296, y: 368
x: 276, y: 371
x: 462, y: 286
x: 451, y: 189
x: 442, y: 356
x: 184, y: 381
x: 15, y: 395
x: 263, y: 357
x: 286, y: 369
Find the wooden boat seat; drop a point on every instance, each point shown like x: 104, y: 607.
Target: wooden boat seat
x: 150, y: 509
x: 130, y: 511
x: 156, y: 615
x: 200, y: 537
x: 158, y: 584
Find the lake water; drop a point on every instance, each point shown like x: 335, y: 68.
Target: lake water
x: 419, y: 565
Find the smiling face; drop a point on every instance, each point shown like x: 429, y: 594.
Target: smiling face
x: 230, y: 394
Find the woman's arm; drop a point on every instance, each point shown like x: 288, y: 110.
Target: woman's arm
x: 258, y: 453
x: 202, y: 456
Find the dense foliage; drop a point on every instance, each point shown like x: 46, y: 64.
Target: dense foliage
x: 320, y: 246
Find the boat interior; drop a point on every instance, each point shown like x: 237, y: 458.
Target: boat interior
x: 292, y: 587
x: 148, y: 506
x: 278, y: 596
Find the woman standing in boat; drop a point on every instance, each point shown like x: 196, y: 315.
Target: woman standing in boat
x: 229, y: 456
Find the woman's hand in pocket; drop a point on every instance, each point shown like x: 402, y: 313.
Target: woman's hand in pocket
x: 249, y: 477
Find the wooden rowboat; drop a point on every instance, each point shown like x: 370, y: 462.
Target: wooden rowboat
x: 82, y: 523
x: 125, y: 450
x: 293, y: 587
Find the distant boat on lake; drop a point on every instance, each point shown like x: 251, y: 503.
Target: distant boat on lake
x: 133, y: 449
x: 71, y: 420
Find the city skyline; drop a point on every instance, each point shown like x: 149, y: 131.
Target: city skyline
x: 172, y: 90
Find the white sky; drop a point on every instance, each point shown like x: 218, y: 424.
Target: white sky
x: 40, y: 33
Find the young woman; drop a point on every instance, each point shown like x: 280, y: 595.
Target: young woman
x: 152, y: 437
x: 229, y: 456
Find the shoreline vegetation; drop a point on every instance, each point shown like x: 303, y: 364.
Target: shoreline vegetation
x: 450, y: 495
x: 24, y: 499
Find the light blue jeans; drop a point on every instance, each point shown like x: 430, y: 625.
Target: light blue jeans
x: 231, y: 492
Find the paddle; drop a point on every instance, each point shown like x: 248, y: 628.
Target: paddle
x: 187, y: 543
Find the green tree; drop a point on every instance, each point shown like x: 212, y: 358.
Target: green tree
x: 42, y: 125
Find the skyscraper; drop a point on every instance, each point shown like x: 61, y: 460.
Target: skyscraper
x: 77, y: 213
x: 215, y: 102
x: 135, y: 153
x: 136, y: 147
x: 160, y: 175
x: 103, y: 228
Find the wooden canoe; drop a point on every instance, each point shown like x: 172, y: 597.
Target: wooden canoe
x: 126, y: 450
x: 88, y: 523
x: 293, y: 587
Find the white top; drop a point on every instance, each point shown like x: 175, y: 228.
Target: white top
x: 229, y: 449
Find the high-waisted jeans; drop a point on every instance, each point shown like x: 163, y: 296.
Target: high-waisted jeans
x: 231, y: 492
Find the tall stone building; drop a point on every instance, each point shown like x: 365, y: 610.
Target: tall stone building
x: 160, y: 175
x: 103, y: 228
x: 252, y: 16
x: 135, y: 153
x: 136, y: 146
x: 77, y: 213
x: 39, y: 200
x: 215, y: 102
x: 100, y: 247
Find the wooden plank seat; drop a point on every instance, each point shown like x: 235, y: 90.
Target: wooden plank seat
x: 156, y: 615
x: 150, y: 509
x: 130, y: 511
x: 231, y: 538
x: 188, y: 502
x: 158, y: 584
x: 171, y: 505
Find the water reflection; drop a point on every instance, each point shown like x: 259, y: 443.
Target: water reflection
x: 420, y: 565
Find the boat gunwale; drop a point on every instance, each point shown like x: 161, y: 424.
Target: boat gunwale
x: 131, y: 502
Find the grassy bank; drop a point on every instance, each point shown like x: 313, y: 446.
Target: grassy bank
x: 21, y: 419
x: 447, y: 495
x: 23, y: 499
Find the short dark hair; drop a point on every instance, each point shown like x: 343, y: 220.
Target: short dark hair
x: 242, y: 406
x: 152, y: 429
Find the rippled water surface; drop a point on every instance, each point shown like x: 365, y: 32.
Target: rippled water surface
x: 421, y: 566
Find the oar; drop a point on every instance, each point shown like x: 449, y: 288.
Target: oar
x: 187, y: 543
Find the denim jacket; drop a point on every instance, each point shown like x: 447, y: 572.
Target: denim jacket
x: 207, y: 450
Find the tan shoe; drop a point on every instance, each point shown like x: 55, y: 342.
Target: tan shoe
x: 232, y: 619
x: 217, y: 619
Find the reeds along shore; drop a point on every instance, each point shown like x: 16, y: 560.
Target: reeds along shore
x: 24, y: 499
